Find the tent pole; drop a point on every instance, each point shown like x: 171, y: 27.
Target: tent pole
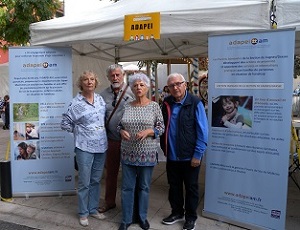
x: 189, y: 75
x: 169, y: 67
x: 117, y: 57
x: 149, y: 75
x: 156, y: 86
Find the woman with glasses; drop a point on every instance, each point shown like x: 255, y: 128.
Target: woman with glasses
x: 140, y: 126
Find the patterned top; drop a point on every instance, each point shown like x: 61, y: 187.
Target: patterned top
x: 86, y: 122
x: 135, y: 119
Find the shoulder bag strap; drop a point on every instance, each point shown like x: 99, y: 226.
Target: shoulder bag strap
x: 120, y: 99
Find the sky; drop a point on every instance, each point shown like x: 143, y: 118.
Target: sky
x: 74, y: 7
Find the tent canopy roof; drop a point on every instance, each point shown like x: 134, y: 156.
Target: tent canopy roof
x: 185, y: 27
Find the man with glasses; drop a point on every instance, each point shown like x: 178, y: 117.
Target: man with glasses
x: 184, y: 144
x: 112, y: 95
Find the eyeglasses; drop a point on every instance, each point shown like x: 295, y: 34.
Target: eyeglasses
x: 177, y: 84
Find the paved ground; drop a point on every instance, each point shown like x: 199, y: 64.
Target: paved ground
x: 59, y: 213
x: 11, y: 226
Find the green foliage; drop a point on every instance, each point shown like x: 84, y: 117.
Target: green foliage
x: 17, y: 15
x: 25, y: 112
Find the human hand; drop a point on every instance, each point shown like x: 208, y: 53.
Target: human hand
x: 195, y: 162
x: 224, y: 118
x: 124, y: 135
x: 143, y: 134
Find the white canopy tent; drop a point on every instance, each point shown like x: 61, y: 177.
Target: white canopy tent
x: 185, y: 26
x: 287, y: 16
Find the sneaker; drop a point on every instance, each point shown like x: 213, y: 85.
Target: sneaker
x: 189, y: 225
x: 173, y: 218
x: 97, y: 215
x: 84, y: 222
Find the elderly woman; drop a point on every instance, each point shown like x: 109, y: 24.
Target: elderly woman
x: 85, y: 119
x: 141, y: 124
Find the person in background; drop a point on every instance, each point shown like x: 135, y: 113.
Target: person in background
x: 6, y: 112
x: 164, y: 94
x: 140, y: 126
x: 85, y: 118
x: 2, y: 112
x: 184, y: 145
x: 112, y: 95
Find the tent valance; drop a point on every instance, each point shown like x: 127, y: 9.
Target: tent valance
x: 185, y: 27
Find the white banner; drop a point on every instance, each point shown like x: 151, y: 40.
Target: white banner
x: 250, y: 88
x: 42, y: 155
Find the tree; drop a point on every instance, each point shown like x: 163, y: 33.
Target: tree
x: 17, y: 15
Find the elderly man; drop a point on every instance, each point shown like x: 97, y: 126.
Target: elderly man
x: 184, y: 144
x: 116, y: 96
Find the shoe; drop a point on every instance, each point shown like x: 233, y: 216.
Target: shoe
x: 106, y: 208
x: 124, y: 226
x: 189, y: 225
x: 84, y: 222
x: 99, y: 216
x: 145, y: 225
x: 173, y: 218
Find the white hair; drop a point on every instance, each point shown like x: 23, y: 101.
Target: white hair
x: 139, y: 76
x: 175, y: 75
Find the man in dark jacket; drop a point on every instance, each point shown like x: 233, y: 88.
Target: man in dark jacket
x: 184, y: 143
x: 6, y: 112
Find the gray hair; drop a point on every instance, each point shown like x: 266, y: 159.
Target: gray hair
x: 173, y: 75
x: 139, y: 76
x: 114, y: 67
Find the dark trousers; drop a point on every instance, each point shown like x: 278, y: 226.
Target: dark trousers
x: 112, y: 169
x: 181, y: 173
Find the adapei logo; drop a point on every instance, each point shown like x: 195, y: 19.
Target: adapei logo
x: 44, y: 65
x: 252, y: 41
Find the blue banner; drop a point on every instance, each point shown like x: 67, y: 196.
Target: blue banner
x: 42, y: 155
x: 250, y: 104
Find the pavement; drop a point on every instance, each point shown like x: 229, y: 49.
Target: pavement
x: 59, y: 212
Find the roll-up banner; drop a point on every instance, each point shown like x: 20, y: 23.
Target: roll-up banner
x: 250, y: 104
x: 42, y: 155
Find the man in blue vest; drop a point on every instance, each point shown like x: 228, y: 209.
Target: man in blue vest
x: 183, y: 143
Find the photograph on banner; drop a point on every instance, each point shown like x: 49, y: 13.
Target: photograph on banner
x: 27, y: 150
x: 232, y: 111
x: 250, y: 85
x: 26, y: 111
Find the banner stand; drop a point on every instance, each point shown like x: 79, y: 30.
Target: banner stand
x: 40, y: 194
x: 6, y: 189
x: 225, y: 219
